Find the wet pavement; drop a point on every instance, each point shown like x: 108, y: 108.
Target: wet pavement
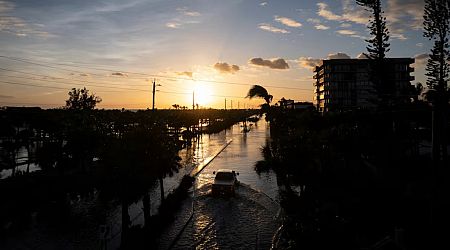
x: 246, y: 220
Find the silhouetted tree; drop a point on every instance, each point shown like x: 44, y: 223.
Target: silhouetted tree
x: 377, y: 48
x: 418, y: 91
x: 80, y: 99
x: 436, y: 24
x: 261, y: 92
x: 378, y: 44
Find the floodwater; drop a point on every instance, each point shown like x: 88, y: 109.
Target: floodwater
x: 247, y: 220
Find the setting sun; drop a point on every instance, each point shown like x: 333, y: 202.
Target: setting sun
x: 203, y: 94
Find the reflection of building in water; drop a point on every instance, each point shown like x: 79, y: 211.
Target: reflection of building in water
x: 345, y: 84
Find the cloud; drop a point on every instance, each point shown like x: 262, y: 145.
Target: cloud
x: 317, y: 24
x: 226, y: 68
x: 185, y: 73
x: 6, y: 96
x: 324, y: 12
x: 351, y: 33
x: 119, y: 74
x: 321, y: 27
x: 263, y: 4
x: 401, y: 15
x: 288, y: 21
x: 6, y: 6
x: 404, y: 14
x: 419, y: 44
x: 354, y: 13
x: 351, y: 12
x: 84, y: 74
x: 314, y: 20
x: 270, y: 28
x: 173, y: 25
x: 185, y: 11
x: 398, y: 36
x: 184, y: 17
x: 308, y: 62
x: 279, y: 63
x: 421, y: 59
x: 18, y: 26
x: 346, y: 32
x: 338, y: 55
x: 362, y: 56
x: 345, y: 25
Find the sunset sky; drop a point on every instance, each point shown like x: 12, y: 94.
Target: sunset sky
x: 216, y: 48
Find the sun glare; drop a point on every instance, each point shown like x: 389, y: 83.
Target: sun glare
x: 203, y: 95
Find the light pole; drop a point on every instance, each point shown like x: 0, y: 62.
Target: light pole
x: 154, y: 91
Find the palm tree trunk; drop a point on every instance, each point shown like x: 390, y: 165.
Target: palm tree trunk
x: 161, y: 187
x: 28, y: 157
x: 125, y: 222
x: 146, y: 204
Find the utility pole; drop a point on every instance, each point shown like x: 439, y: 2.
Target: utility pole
x: 225, y: 103
x: 154, y: 91
x: 193, y: 100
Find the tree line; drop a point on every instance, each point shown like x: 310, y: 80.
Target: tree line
x: 362, y: 178
x: 79, y: 148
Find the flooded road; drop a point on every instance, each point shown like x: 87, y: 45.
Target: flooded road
x: 247, y: 220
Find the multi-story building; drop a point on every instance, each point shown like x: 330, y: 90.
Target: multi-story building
x: 291, y: 104
x: 345, y: 84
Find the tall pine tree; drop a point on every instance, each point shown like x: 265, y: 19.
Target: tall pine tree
x: 377, y: 48
x: 379, y: 43
x: 437, y: 28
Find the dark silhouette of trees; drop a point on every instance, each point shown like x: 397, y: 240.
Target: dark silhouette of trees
x: 437, y: 29
x: 377, y: 48
x: 133, y: 152
x: 350, y: 182
x: 418, y: 91
x: 261, y: 92
x: 80, y: 99
x: 379, y: 43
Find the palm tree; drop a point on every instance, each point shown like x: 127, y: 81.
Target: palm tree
x: 261, y: 92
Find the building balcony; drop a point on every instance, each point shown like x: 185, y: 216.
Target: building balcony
x: 410, y: 69
x: 412, y: 78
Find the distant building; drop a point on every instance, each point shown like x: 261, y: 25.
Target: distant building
x: 291, y: 104
x: 345, y: 84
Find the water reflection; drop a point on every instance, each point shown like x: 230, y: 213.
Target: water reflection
x: 247, y: 220
x: 91, y: 212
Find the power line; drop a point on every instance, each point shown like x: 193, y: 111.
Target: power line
x: 171, y: 91
x: 55, y: 87
x: 61, y: 78
x: 36, y: 62
x: 32, y: 85
x: 77, y: 84
x: 83, y: 85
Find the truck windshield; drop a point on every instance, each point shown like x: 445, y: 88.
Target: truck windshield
x: 224, y: 176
